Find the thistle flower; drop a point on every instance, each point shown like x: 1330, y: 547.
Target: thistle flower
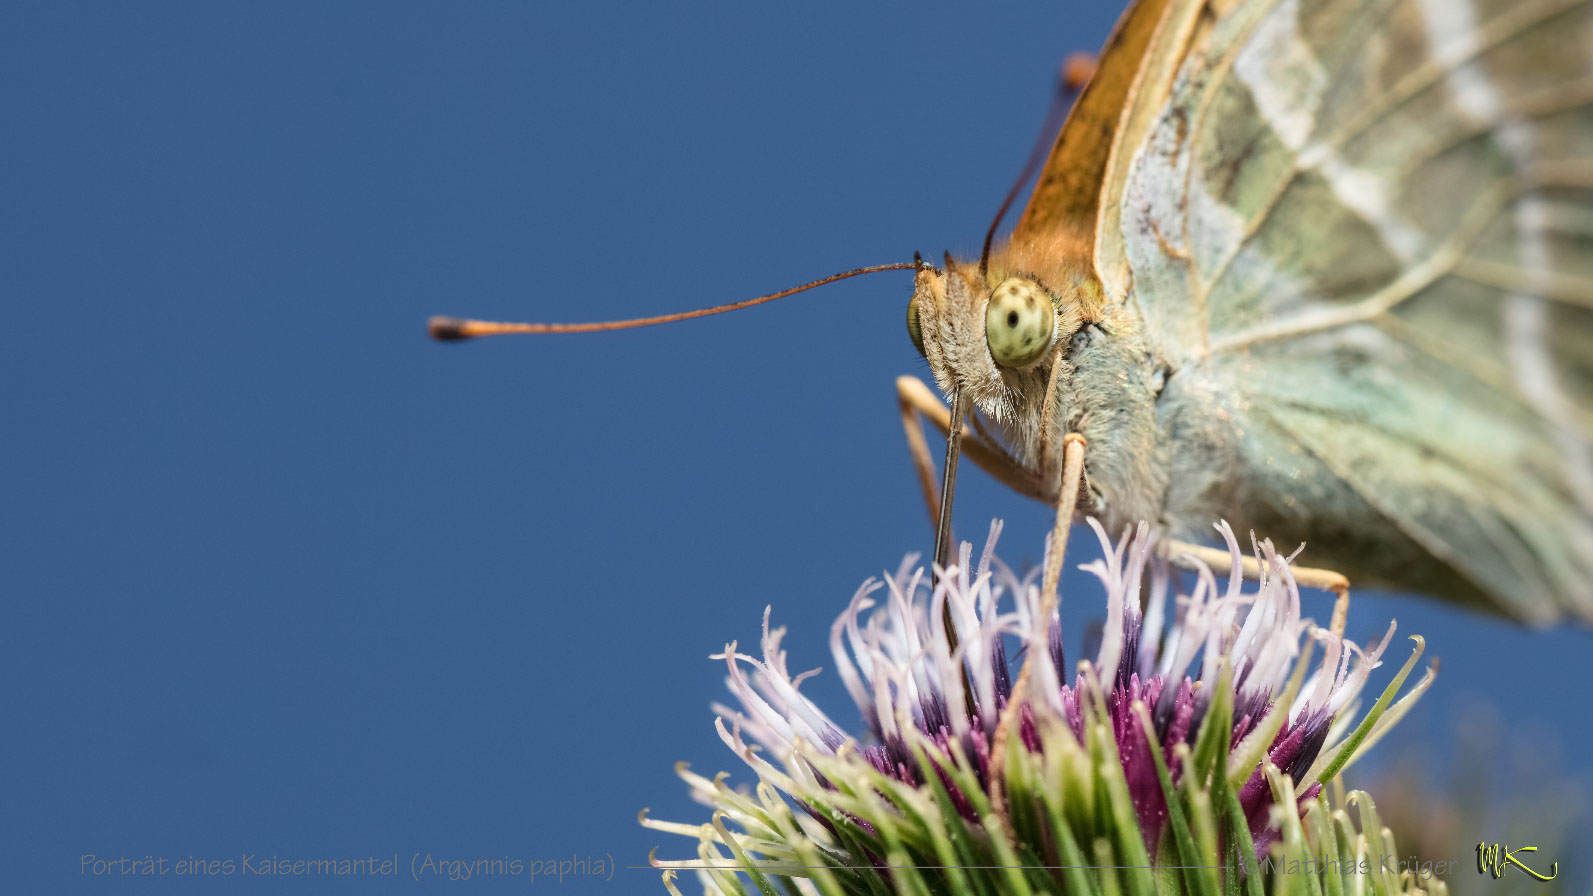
x: 1188, y: 753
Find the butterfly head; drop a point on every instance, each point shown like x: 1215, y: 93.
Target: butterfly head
x: 995, y: 335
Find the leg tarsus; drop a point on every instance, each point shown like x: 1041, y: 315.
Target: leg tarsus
x: 1193, y: 556
x: 1067, y: 504
x: 923, y: 461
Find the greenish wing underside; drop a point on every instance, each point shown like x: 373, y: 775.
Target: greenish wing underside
x: 1373, y: 220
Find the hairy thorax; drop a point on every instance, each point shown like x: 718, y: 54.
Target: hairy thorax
x: 1099, y: 378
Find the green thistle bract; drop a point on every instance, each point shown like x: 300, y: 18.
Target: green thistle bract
x: 1187, y: 755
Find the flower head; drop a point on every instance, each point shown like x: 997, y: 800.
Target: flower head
x: 1195, y: 737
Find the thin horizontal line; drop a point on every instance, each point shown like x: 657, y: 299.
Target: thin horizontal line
x: 793, y: 867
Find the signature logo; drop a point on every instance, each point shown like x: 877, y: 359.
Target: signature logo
x: 1498, y: 858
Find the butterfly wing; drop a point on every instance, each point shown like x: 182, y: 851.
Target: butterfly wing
x: 1370, y: 223
x: 1063, y: 203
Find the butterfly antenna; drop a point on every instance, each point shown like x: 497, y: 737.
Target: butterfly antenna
x: 1076, y: 72
x: 453, y: 329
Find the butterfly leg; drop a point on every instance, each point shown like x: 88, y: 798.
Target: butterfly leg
x: 1194, y: 556
x: 918, y: 404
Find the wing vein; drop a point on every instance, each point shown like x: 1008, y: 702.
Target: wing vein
x: 1441, y: 260
x: 1412, y: 528
x: 1408, y: 88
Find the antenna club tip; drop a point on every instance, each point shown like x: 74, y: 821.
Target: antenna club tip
x: 449, y: 329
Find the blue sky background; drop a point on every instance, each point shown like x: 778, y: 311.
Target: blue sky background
x: 285, y: 578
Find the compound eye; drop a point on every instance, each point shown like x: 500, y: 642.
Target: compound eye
x: 1020, y: 323
x: 914, y: 331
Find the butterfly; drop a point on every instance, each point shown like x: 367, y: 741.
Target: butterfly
x: 1322, y: 268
